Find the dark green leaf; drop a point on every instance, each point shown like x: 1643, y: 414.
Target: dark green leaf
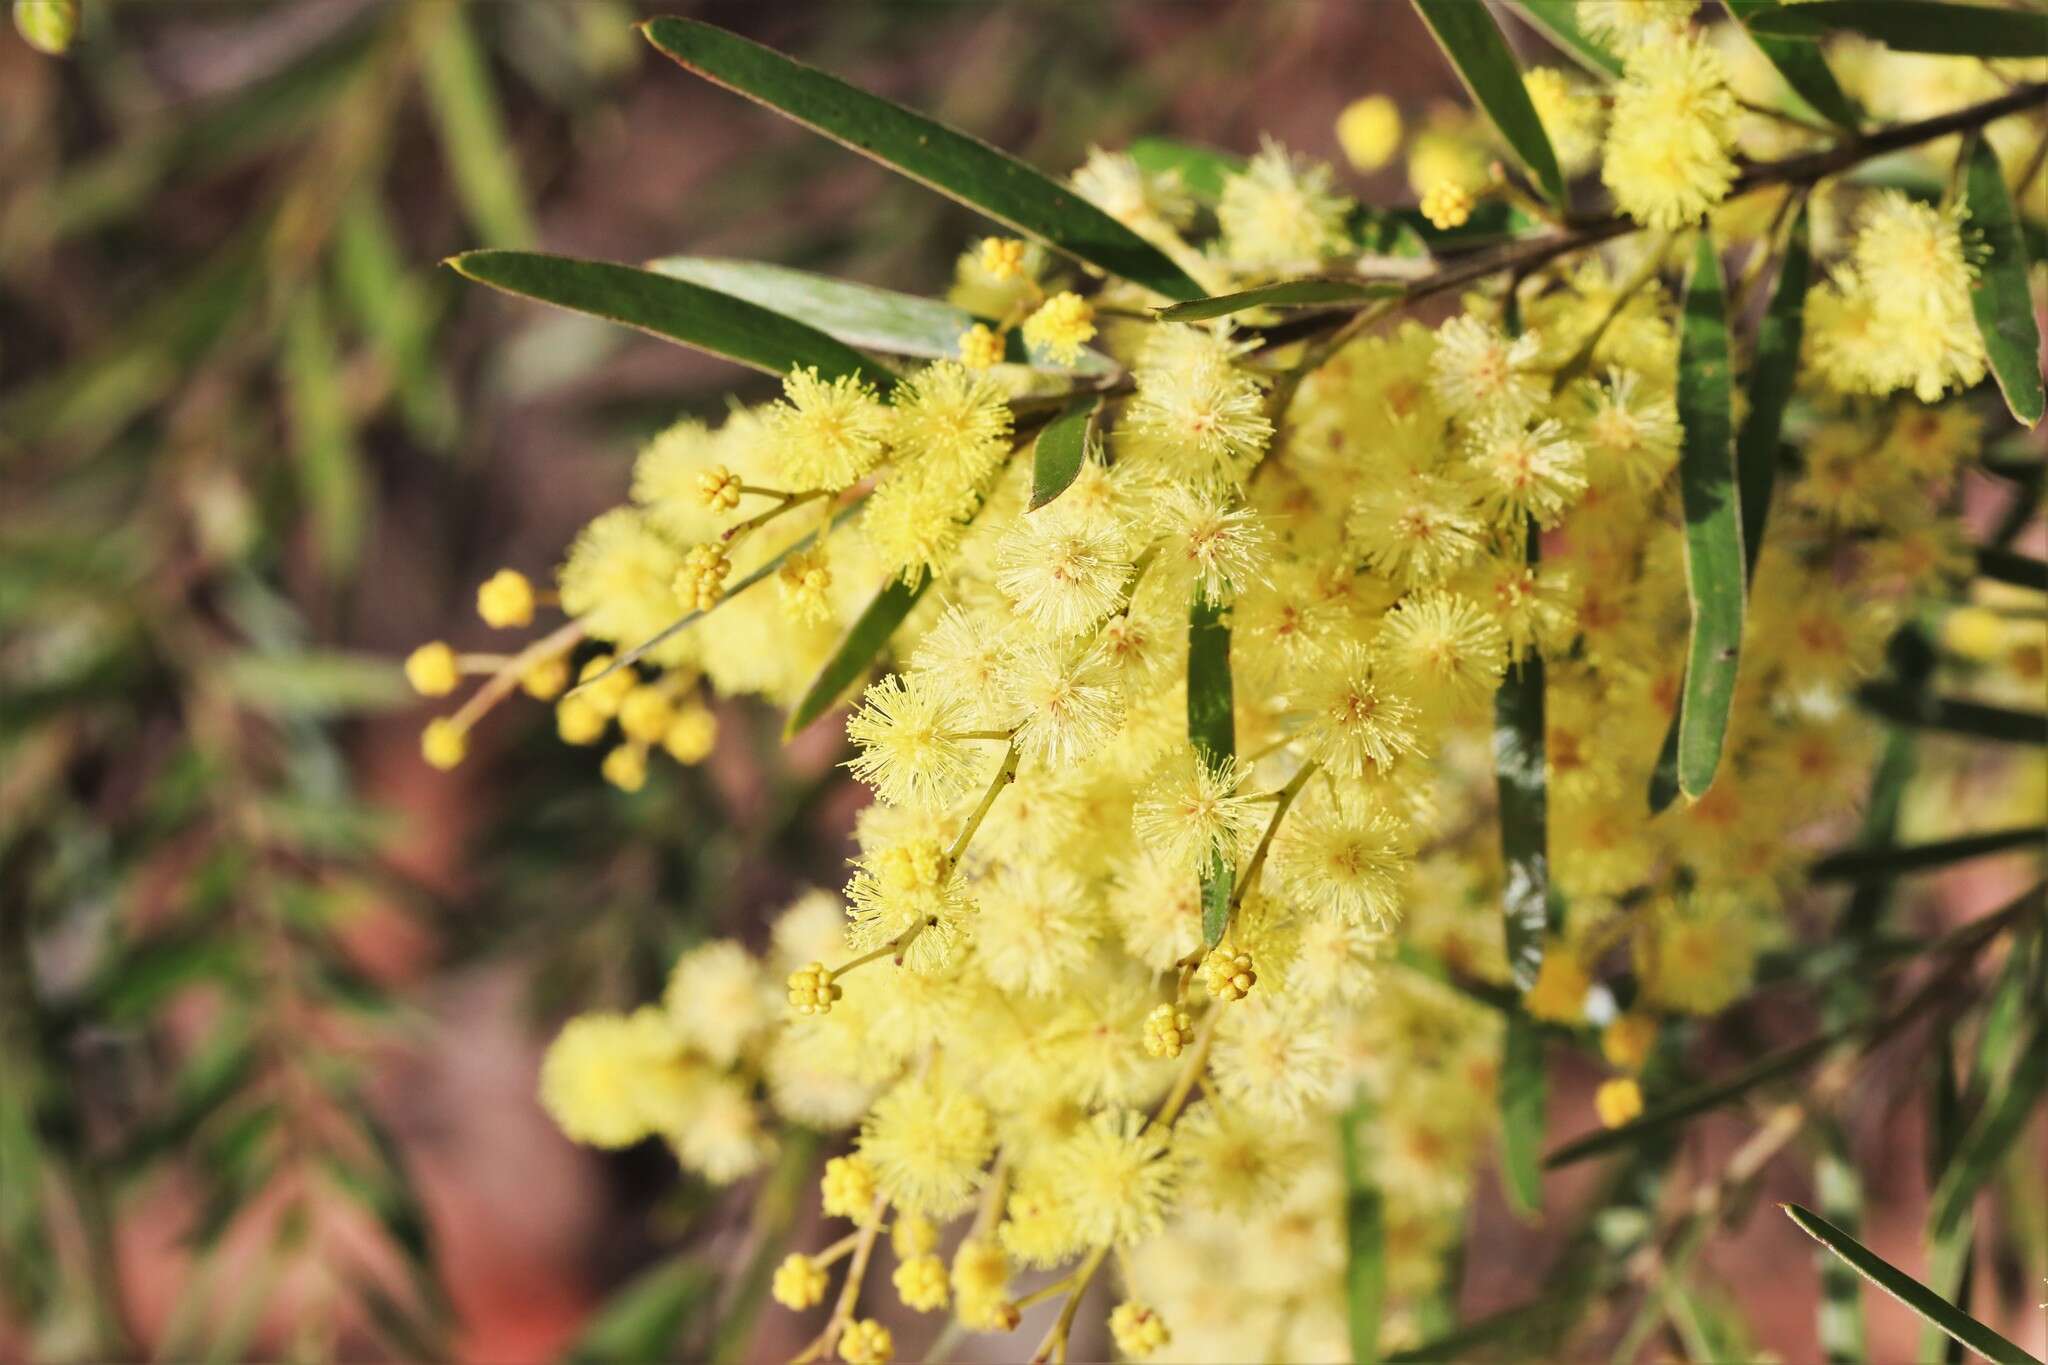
x: 1985, y: 1144
x: 1558, y: 21
x: 2021, y: 570
x: 1521, y: 1114
x: 158, y: 968
x: 947, y: 160
x: 864, y: 641
x: 1212, y: 729
x: 1800, y: 63
x: 1771, y: 372
x: 471, y: 129
x: 1874, y: 864
x: 1469, y: 37
x: 1697, y: 1100
x: 1999, y: 294
x: 1713, y: 524
x: 1999, y: 724
x: 1057, y: 454
x: 673, y: 309
x: 642, y: 1320
x: 1908, y: 1290
x: 1202, y: 170
x: 1916, y: 26
x: 1284, y: 293
x: 1365, y: 1237
x: 857, y: 314
x: 1519, y: 766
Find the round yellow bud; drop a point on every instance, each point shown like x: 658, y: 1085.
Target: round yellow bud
x: 980, y: 348
x: 505, y: 600
x: 1447, y: 204
x: 1062, y: 325
x: 1138, y: 1330
x: 1230, y: 975
x: 1973, y: 633
x: 1167, y: 1031
x: 579, y: 722
x: 1002, y: 258
x: 1626, y: 1042
x: 799, y: 1282
x: 811, y: 991
x: 546, y: 679
x: 847, y: 1189
x: 626, y: 767
x: 433, y: 670
x: 645, y: 715
x: 912, y: 1234
x: 921, y: 1283
x: 607, y: 695
x: 691, y: 735
x: 1618, y: 1101
x: 866, y: 1342
x: 1369, y: 131
x: 444, y: 743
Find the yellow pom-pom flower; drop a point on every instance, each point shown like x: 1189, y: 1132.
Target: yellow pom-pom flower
x: 1137, y: 1330
x: 505, y: 600
x: 799, y: 1282
x: 625, y: 767
x: 921, y: 1283
x: 1060, y: 327
x: 1369, y: 131
x: 980, y: 348
x: 433, y: 670
x: 866, y: 1342
x: 1618, y: 1101
x: 444, y: 744
x: 1447, y: 204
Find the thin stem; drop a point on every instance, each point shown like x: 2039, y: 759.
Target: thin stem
x: 849, y: 1292
x: 1190, y: 1072
x: 1645, y: 271
x: 760, y: 519
x: 1005, y: 775
x: 1252, y: 869
x: 1054, y: 1347
x: 557, y: 641
x: 1786, y: 116
x: 981, y: 734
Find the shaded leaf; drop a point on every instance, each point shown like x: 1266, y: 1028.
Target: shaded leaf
x: 642, y: 1320
x: 1057, y: 454
x: 1908, y: 1290
x: 672, y: 309
x: 1480, y: 55
x: 1977, y: 720
x: 1558, y: 21
x: 2007, y: 567
x: 1212, y: 730
x: 1283, y: 293
x: 1365, y: 1237
x: 1771, y: 372
x: 1521, y: 1113
x: 1987, y: 1140
x: 1875, y: 864
x: 1713, y: 525
x: 1800, y: 63
x: 1998, y: 294
x: 947, y: 160
x: 864, y: 642
x: 1519, y: 765
x: 1915, y: 26
x: 470, y: 127
x: 857, y: 314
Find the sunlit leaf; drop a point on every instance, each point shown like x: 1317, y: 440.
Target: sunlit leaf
x: 1521, y: 1114
x: 1558, y: 20
x: 865, y: 640
x: 1480, y: 55
x: 1057, y: 454
x: 471, y: 128
x: 1908, y: 1290
x: 1998, y: 293
x: 949, y: 161
x: 1801, y: 64
x: 1212, y: 729
x: 1365, y: 1236
x: 1284, y: 293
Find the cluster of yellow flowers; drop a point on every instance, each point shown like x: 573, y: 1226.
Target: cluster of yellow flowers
x: 1012, y: 1001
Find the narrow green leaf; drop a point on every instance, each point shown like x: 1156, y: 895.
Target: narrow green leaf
x: 1282, y: 294
x: 1480, y: 55
x: 317, y: 683
x: 1999, y: 295
x: 1999, y: 724
x: 1057, y: 454
x: 1202, y: 170
x: 389, y: 304
x: 864, y: 641
x: 1365, y: 1237
x: 1521, y: 1114
x: 642, y: 1320
x: 1519, y: 766
x: 1840, y: 1190
x: 1884, y: 863
x: 1212, y: 729
x: 329, y: 466
x: 1771, y: 372
x: 672, y: 309
x: 1558, y: 21
x: 857, y: 314
x: 1713, y: 525
x: 947, y: 160
x: 1985, y: 1144
x: 470, y: 127
x: 1800, y: 63
x: 1698, y: 1099
x: 1915, y: 26
x: 2023, y: 571
x: 1908, y: 1290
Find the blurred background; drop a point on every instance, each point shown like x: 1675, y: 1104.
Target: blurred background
x: 272, y: 992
